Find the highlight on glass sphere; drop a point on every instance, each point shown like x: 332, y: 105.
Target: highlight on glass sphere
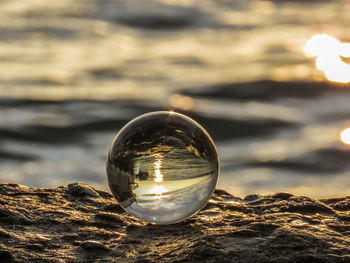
x: 162, y: 167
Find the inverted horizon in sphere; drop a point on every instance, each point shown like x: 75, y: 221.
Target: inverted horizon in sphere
x: 162, y: 167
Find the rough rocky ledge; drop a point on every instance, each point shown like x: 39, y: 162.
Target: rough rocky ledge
x: 78, y: 223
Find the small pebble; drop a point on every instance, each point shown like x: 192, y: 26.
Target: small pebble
x: 282, y: 195
x: 93, y: 245
x: 79, y: 189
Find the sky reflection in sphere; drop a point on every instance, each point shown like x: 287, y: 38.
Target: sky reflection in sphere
x: 162, y: 167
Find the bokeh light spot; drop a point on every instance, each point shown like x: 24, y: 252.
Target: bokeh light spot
x: 345, y: 136
x: 329, y: 52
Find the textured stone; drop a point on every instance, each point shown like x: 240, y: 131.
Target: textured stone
x: 80, y: 224
x: 93, y: 245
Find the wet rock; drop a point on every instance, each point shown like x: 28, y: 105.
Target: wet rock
x: 77, y: 223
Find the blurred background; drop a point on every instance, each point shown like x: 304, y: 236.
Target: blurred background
x: 269, y: 80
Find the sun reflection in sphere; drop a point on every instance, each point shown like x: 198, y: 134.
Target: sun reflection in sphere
x: 158, y: 176
x: 159, y: 189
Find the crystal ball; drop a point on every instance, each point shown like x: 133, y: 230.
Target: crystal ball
x: 162, y: 167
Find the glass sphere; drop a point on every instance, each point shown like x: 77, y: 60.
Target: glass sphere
x: 162, y: 167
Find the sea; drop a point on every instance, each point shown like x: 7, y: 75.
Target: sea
x: 268, y: 80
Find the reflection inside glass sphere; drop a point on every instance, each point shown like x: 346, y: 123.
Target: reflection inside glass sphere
x: 162, y: 167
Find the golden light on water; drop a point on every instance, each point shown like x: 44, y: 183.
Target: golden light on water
x: 329, y: 52
x: 158, y: 189
x: 345, y: 136
x: 181, y: 102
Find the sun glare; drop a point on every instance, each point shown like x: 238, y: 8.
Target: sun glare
x: 328, y: 52
x: 158, y: 176
x: 158, y: 189
x: 345, y: 136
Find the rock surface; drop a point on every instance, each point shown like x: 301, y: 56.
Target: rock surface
x: 78, y: 223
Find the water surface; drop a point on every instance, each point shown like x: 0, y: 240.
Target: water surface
x: 72, y: 74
